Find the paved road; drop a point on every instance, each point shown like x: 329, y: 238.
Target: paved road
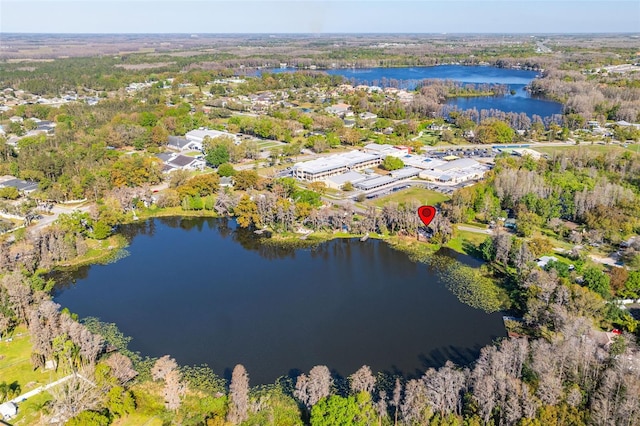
x: 609, y: 260
x: 476, y: 230
x: 344, y: 202
x: 56, y: 211
x: 41, y: 389
x: 532, y: 145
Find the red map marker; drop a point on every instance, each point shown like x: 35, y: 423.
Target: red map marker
x: 426, y: 213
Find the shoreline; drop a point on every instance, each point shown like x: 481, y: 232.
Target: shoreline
x: 417, y: 251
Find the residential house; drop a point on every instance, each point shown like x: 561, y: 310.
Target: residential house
x: 197, y: 136
x: 23, y: 186
x: 368, y: 116
x: 341, y: 109
x: 623, y: 123
x: 544, y: 260
x: 44, y: 126
x: 173, y: 161
x: 185, y: 162
x: 349, y: 123
x: 438, y: 127
x: 226, y: 181
x: 182, y: 144
x: 8, y: 410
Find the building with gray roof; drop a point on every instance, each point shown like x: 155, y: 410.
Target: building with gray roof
x: 24, y: 186
x: 338, y: 181
x: 376, y: 183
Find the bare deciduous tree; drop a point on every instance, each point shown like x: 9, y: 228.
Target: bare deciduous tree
x: 311, y: 389
x: 415, y: 406
x: 302, y: 389
x: 397, y: 395
x: 162, y: 367
x: 121, y: 368
x: 173, y: 390
x: 363, y: 380
x: 381, y: 406
x: 19, y: 293
x: 75, y: 395
x: 238, y: 395
x: 444, y: 388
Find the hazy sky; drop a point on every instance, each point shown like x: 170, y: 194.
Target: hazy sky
x: 319, y: 16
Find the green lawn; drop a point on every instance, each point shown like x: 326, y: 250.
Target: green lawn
x: 429, y: 139
x: 15, y: 366
x: 634, y: 147
x: 268, y: 144
x: 584, y: 146
x: 465, y: 242
x: 31, y: 410
x: 421, y: 195
x: 137, y: 419
x: 15, y: 363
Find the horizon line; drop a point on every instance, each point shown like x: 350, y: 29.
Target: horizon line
x: 329, y: 33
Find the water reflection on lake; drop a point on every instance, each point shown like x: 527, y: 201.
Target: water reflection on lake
x: 206, y: 292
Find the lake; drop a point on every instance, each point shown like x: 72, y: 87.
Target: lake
x: 205, y: 291
x: 409, y: 77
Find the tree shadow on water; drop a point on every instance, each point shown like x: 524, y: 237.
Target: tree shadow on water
x: 227, y: 374
x: 458, y: 355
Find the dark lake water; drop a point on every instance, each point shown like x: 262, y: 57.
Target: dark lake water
x: 409, y: 77
x: 205, y: 292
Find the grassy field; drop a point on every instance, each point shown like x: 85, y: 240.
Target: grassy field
x: 32, y: 410
x: 466, y: 242
x: 429, y: 138
x: 137, y: 419
x: 635, y: 148
x: 15, y: 363
x: 15, y: 366
x: 268, y: 144
x: 587, y: 147
x: 149, y: 407
x: 421, y: 195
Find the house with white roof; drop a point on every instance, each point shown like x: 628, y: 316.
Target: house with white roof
x: 368, y: 116
x: 192, y: 141
x: 340, y: 109
x: 544, y: 260
x: 182, y: 144
x: 8, y: 410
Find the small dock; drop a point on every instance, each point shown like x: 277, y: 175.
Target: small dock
x: 365, y: 237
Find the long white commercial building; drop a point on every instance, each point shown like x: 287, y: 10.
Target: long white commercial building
x: 322, y: 168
